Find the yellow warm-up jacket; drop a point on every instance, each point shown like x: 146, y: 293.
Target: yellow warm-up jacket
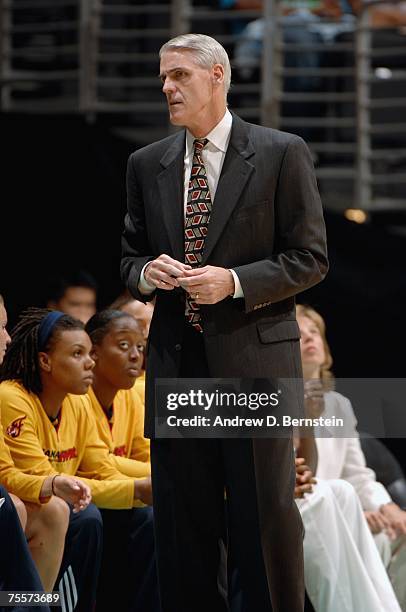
x: 124, y: 433
x: 139, y: 386
x: 26, y: 486
x: 72, y: 447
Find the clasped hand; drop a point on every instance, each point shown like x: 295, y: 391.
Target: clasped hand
x: 390, y: 518
x: 207, y: 285
x: 314, y: 398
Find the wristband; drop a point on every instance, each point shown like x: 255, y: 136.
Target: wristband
x: 52, y: 484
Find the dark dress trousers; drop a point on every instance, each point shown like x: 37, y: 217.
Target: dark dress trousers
x: 18, y: 571
x: 267, y: 224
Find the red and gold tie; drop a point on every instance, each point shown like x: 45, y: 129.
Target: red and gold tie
x: 198, y: 209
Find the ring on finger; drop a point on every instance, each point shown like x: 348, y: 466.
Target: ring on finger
x: 196, y: 295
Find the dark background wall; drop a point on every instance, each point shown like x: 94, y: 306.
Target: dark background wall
x: 62, y: 205
x: 63, y: 199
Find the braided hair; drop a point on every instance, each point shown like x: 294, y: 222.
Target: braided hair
x: 21, y: 360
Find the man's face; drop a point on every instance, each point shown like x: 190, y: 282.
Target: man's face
x: 79, y: 302
x: 188, y: 87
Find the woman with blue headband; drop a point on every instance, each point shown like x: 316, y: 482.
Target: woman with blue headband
x: 47, y: 426
x: 31, y: 503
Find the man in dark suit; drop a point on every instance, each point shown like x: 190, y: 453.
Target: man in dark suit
x: 225, y: 227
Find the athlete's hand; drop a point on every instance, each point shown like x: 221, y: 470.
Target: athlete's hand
x: 143, y: 490
x: 73, y: 491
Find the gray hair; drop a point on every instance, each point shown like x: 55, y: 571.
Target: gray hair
x: 1, y: 300
x: 206, y: 50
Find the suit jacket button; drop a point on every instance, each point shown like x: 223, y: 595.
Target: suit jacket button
x: 178, y: 347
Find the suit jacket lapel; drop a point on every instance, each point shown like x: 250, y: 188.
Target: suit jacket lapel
x: 170, y: 183
x: 234, y: 176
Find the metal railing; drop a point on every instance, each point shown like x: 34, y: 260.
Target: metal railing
x: 381, y: 112
x: 99, y: 57
x: 39, y: 62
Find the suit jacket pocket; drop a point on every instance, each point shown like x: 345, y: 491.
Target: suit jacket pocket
x: 249, y: 210
x: 278, y: 332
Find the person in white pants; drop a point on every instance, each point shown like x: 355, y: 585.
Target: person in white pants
x: 343, y: 457
x: 343, y: 569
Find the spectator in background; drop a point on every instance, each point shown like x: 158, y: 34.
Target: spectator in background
x: 119, y: 417
x: 49, y: 429
x: 141, y: 312
x: 74, y: 294
x: 302, y: 24
x: 388, y: 15
x: 343, y: 457
x: 343, y: 569
x: 306, y: 22
x: 238, y: 24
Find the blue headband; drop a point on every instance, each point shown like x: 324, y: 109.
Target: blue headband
x: 46, y: 326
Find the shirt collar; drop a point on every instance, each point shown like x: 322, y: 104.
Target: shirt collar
x: 219, y: 136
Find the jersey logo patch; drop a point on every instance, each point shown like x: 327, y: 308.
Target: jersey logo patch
x: 61, y: 455
x: 14, y: 429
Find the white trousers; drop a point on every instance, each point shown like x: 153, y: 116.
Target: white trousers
x: 393, y: 554
x: 343, y: 569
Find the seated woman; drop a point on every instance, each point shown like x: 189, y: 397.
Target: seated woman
x: 43, y: 516
x: 342, y: 458
x: 49, y: 430
x: 142, y: 313
x: 341, y: 562
x: 343, y: 569
x: 119, y: 415
x: 118, y: 354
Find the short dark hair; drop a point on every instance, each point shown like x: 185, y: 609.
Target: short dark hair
x: 124, y: 298
x: 80, y: 278
x: 99, y: 324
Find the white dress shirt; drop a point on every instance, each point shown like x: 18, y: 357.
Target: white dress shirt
x: 213, y: 156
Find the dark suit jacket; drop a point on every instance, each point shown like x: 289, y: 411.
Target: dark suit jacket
x: 266, y: 223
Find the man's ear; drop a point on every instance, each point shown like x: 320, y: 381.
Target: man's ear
x: 44, y: 361
x: 218, y: 73
x: 94, y: 353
